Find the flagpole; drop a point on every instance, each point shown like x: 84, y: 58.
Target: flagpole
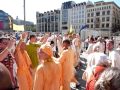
x: 24, y: 8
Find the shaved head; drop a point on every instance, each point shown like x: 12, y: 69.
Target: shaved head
x: 5, y: 79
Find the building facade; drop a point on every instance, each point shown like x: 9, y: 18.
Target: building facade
x: 103, y: 17
x: 73, y: 15
x: 78, y: 18
x: 48, y: 21
x: 29, y: 26
x: 21, y: 22
x: 5, y: 21
x: 66, y: 16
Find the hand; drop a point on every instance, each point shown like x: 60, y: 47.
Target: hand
x: 11, y: 43
x: 24, y: 35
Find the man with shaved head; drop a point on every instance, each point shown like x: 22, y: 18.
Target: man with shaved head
x: 5, y: 79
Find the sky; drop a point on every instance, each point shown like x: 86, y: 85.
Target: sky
x: 15, y: 7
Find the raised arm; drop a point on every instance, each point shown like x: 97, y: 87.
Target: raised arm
x: 5, y: 52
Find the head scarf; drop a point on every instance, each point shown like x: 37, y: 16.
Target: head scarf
x: 47, y: 49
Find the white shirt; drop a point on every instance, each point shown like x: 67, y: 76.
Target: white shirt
x: 90, y: 48
x: 60, y: 49
x: 115, y: 58
x: 101, y: 46
x: 96, y: 58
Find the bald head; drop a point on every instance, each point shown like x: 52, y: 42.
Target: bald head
x: 5, y: 79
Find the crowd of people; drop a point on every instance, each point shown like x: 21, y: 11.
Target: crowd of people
x: 49, y: 61
x: 103, y: 64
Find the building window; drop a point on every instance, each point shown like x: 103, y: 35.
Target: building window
x: 109, y: 7
x: 97, y: 13
x: 92, y: 14
x: 103, y: 25
x: 42, y: 19
x: 92, y: 26
x: 108, y: 12
x: 76, y: 27
x: 103, y: 19
x: 91, y: 20
x: 64, y: 22
x: 97, y: 20
x: 104, y: 7
x: 107, y: 25
x: 103, y: 13
x: 118, y: 21
x: 88, y: 26
x: 45, y: 19
x: 64, y: 27
x: 88, y: 20
x: 37, y: 21
x: 56, y: 30
x: 97, y: 25
x: 107, y: 18
x: 97, y: 9
x: 88, y: 15
x: 82, y: 20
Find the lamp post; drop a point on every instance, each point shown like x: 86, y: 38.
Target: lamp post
x: 24, y: 8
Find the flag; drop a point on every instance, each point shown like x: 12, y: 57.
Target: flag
x: 71, y: 30
x: 83, y: 27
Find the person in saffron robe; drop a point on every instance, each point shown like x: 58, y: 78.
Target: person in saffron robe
x: 48, y: 74
x: 67, y: 61
x: 23, y: 71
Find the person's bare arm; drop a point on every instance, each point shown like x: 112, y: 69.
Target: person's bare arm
x: 23, y: 36
x: 5, y: 52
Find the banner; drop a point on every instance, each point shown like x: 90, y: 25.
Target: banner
x: 18, y: 27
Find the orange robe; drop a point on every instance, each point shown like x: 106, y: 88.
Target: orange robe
x: 67, y: 61
x: 23, y: 72
x: 48, y: 76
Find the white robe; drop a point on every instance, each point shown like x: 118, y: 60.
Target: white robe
x: 96, y: 58
x: 115, y: 59
x: 90, y: 48
x: 60, y: 49
x: 101, y: 46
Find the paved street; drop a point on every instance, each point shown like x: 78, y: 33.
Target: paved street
x: 80, y: 71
